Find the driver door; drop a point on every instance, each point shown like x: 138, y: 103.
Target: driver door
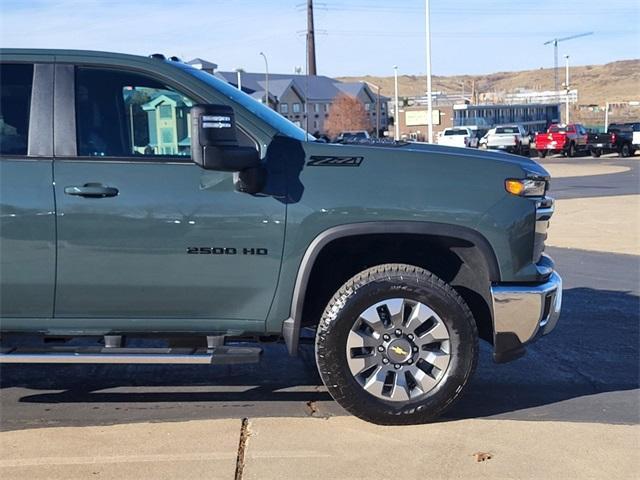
x: 144, y: 233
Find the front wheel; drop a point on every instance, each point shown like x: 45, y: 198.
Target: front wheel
x: 396, y: 345
x: 542, y: 153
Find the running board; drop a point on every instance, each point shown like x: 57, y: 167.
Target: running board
x: 220, y: 355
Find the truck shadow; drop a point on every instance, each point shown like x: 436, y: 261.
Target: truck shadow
x: 594, y: 350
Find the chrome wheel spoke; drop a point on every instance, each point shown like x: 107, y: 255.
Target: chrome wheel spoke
x: 424, y: 382
x: 400, y: 390
x: 438, y: 333
x: 396, y: 310
x: 371, y: 318
x: 359, y: 364
x: 363, y: 339
x: 419, y: 314
x: 437, y: 359
x: 375, y: 383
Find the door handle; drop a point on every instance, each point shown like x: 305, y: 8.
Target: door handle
x: 91, y: 190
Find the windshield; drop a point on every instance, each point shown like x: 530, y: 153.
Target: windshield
x: 274, y: 119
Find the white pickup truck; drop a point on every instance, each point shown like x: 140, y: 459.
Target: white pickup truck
x: 636, y: 135
x: 509, y: 138
x: 458, y: 137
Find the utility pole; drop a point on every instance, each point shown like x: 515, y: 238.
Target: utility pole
x: 396, y: 119
x: 555, y: 42
x: 311, y: 41
x: 429, y: 94
x: 566, y: 84
x: 266, y: 77
x: 378, y: 112
x: 606, y: 117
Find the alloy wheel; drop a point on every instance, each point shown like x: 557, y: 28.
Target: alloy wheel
x: 398, y: 349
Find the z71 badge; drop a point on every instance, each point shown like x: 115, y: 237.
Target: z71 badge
x: 318, y: 161
x: 226, y: 251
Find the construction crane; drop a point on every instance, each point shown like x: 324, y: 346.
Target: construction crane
x: 555, y: 42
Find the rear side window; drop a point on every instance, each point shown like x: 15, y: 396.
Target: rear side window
x: 123, y: 114
x: 16, y: 82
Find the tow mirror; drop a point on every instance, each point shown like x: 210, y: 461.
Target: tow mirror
x: 214, y: 146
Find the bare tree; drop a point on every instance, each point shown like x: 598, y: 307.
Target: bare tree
x: 346, y: 114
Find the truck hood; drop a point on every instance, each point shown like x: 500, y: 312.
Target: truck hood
x: 408, y: 149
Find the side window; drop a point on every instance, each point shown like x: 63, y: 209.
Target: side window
x: 122, y: 114
x: 16, y: 82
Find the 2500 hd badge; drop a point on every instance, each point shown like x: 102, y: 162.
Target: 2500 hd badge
x: 226, y: 251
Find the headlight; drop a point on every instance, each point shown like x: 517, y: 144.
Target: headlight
x: 525, y: 188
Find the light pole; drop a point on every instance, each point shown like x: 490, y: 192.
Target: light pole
x: 566, y: 84
x: 266, y: 76
x: 397, y: 107
x: 429, y: 100
x: 606, y: 117
x: 378, y: 111
x: 239, y: 72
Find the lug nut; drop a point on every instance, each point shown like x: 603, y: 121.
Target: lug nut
x: 396, y: 366
x: 381, y: 348
x: 410, y: 361
x: 415, y: 349
x: 398, y: 332
x: 386, y: 337
x: 385, y: 360
x: 410, y: 337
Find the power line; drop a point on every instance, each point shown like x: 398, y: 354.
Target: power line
x: 510, y: 10
x: 451, y: 34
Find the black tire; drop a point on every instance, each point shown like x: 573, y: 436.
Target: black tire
x: 368, y: 288
x: 571, y: 151
x: 596, y: 153
x: 625, y: 150
x: 542, y: 153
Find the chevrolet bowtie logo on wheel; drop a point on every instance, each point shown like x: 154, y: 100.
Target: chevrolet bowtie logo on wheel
x: 399, y: 350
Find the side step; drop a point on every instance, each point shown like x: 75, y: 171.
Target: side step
x: 217, y: 355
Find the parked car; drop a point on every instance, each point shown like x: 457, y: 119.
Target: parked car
x: 158, y: 201
x: 509, y: 138
x: 354, y: 136
x: 482, y: 142
x: 566, y: 139
x: 458, y: 137
x: 618, y: 139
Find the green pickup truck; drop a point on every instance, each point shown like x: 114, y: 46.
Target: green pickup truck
x: 141, y: 198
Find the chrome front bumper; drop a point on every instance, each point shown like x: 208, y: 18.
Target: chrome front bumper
x: 521, y: 313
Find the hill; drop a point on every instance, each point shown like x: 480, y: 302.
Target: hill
x: 596, y: 84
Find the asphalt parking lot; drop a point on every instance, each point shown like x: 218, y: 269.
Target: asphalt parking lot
x: 586, y: 372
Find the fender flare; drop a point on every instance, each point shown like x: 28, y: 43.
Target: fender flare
x: 291, y: 326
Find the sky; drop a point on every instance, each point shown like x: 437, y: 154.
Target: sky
x: 353, y: 37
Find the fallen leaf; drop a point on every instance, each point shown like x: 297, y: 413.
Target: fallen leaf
x: 482, y: 456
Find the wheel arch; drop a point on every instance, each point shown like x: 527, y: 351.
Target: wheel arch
x: 478, y: 255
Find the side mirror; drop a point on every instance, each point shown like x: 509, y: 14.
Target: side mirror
x: 214, y: 146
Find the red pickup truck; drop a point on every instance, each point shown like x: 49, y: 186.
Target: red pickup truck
x: 566, y: 139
